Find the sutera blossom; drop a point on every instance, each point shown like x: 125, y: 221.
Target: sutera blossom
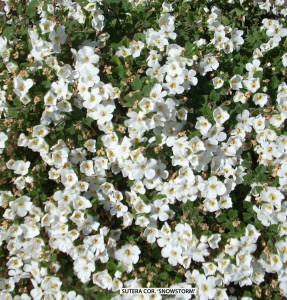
x: 213, y: 188
x: 128, y: 254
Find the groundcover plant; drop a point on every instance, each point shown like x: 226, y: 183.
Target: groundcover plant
x: 143, y: 144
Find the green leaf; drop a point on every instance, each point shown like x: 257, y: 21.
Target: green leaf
x: 222, y: 92
x: 258, y: 189
x: 247, y: 294
x: 261, y: 177
x: 274, y: 82
x: 232, y: 214
x: 137, y: 96
x: 77, y: 114
x: 8, y: 31
x: 31, y: 9
x: 116, y: 60
x: 125, y: 41
x: 260, y: 169
x: 79, y: 137
x: 146, y: 90
x: 246, y: 164
x: 168, y: 267
x: 137, y: 83
x: 120, y: 70
x: 88, y: 121
x: 111, y: 266
x: 139, y: 36
x: 248, y: 179
x: 224, y: 21
x: 239, y: 12
x: 46, y: 84
x: 247, y: 217
x: 258, y: 74
x: 129, y: 101
x: 71, y: 130
x: 214, y: 96
x: 17, y: 102
x: 222, y: 218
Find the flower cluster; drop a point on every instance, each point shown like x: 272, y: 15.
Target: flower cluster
x: 150, y: 155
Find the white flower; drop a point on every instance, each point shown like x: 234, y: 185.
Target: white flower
x: 69, y: 178
x: 206, y: 287
x: 203, y: 125
x: 213, y: 188
x: 236, y: 82
x: 220, y: 115
x: 173, y: 253
x: 128, y: 254
x: 211, y: 204
x: 159, y: 210
x: 260, y: 99
x: 101, y: 113
x: 103, y: 280
x: 86, y: 56
x: 123, y: 52
x: 21, y: 206
x: 40, y: 131
x: 217, y: 82
x: 21, y: 86
x: 239, y: 97
x: 209, y: 268
x: 151, y: 233
x: 3, y: 139
x: 59, y: 157
x: 90, y: 145
x: 58, y: 37
x: 252, y: 84
x: 84, y: 266
x: 272, y: 195
x: 50, y: 99
x: 14, y: 263
x: 136, y: 48
x: 46, y: 25
x: 209, y: 63
x: 174, y: 85
x: 253, y: 67
x: 87, y: 167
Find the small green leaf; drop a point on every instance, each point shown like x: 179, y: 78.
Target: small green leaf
x: 139, y: 36
x: 8, y: 31
x: 164, y: 276
x: 79, y: 137
x: 224, y: 21
x: 239, y: 12
x: 146, y: 90
x: 214, y: 96
x: 168, y: 267
x: 260, y: 169
x: 247, y: 217
x: 116, y: 60
x: 88, y: 121
x: 261, y: 177
x: 31, y: 9
x: 137, y: 83
x: 248, y: 179
x: 232, y: 214
x: 71, y: 130
x: 246, y: 164
x: 120, y: 70
x: 129, y: 101
x: 274, y: 82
